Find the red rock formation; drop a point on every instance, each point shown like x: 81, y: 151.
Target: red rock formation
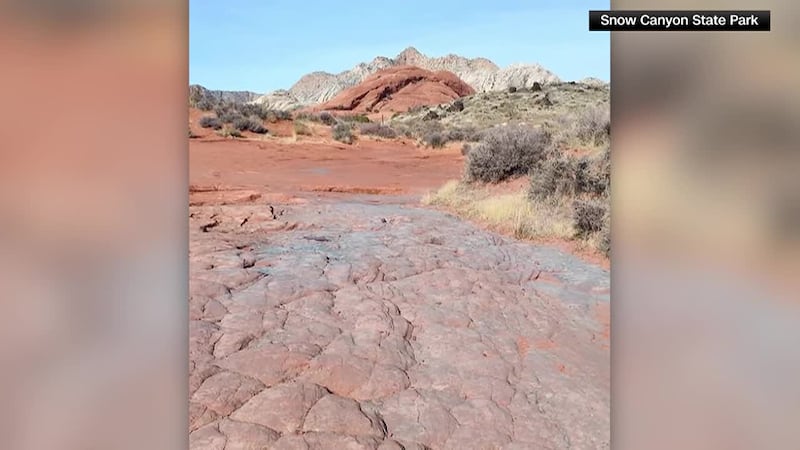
x: 399, y: 89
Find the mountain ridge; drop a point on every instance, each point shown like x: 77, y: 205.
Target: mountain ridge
x: 319, y: 86
x: 480, y: 73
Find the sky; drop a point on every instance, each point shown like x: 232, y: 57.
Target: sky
x: 261, y: 46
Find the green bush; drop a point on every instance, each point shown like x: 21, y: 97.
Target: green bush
x: 506, y: 152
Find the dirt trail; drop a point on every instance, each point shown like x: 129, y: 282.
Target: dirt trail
x: 362, y: 322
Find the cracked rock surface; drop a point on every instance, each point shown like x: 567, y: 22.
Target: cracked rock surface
x: 356, y: 324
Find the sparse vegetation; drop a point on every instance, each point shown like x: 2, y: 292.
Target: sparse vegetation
x: 342, y: 133
x: 586, y: 183
x: 301, y: 128
x: 324, y: 117
x: 355, y: 118
x: 327, y: 118
x: 252, y: 124
x: 376, y: 129
x: 210, y: 122
x: 509, y: 213
x: 593, y: 124
x: 274, y: 115
x: 562, y: 147
x: 507, y: 152
x: 434, y: 139
x: 589, y: 216
x: 229, y: 132
x: 230, y: 117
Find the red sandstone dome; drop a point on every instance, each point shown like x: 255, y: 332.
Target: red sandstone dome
x: 398, y: 89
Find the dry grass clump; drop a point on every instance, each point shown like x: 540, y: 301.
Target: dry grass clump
x: 301, y: 128
x: 509, y: 213
x: 342, y: 133
x: 376, y: 129
x: 229, y: 132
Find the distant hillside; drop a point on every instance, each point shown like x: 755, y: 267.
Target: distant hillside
x: 480, y: 73
x: 319, y: 87
x: 198, y: 94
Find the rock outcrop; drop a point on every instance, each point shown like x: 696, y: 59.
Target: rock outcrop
x: 198, y: 94
x: 480, y: 73
x: 399, y: 89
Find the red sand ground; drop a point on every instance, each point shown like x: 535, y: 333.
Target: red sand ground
x: 312, y: 165
x: 267, y: 168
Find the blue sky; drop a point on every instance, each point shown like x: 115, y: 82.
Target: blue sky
x: 266, y: 45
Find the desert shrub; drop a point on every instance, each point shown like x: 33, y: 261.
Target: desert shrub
x: 593, y: 124
x: 505, y: 152
x: 342, y: 133
x: 230, y: 132
x: 252, y: 124
x: 468, y: 134
x: 230, y: 117
x: 456, y: 106
x: 559, y: 176
x: 355, y: 118
x: 593, y: 174
x: 431, y: 115
x: 253, y: 109
x: 554, y: 177
x: 205, y: 104
x: 274, y: 115
x: 403, y: 129
x: 604, y: 243
x: 210, y: 122
x: 301, y: 128
x: 589, y: 216
x: 327, y: 118
x: 435, y: 139
x: 376, y: 129
x: 422, y: 128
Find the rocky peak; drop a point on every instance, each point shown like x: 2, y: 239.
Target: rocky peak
x: 409, y: 57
